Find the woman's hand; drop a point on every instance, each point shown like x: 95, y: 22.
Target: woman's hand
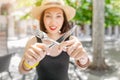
x: 73, y: 47
x: 75, y: 50
x: 35, y: 53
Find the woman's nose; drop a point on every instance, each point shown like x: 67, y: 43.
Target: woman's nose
x: 53, y: 21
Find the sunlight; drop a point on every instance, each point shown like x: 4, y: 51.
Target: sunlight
x: 9, y: 1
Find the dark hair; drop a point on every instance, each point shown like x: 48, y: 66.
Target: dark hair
x: 65, y: 26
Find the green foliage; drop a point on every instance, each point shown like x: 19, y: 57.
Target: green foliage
x: 112, y: 12
x: 38, y: 2
x: 83, y: 11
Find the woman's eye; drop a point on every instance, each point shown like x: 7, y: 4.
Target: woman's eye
x: 48, y: 16
x: 59, y: 16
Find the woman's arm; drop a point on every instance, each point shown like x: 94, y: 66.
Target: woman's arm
x: 34, y: 53
x: 83, y: 62
x: 75, y: 50
x: 22, y: 68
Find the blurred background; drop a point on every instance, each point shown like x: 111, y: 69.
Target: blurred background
x: 98, y: 28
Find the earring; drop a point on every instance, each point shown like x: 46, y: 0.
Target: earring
x: 59, y: 31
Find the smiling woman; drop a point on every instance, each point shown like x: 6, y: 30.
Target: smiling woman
x: 53, y: 20
x: 53, y: 16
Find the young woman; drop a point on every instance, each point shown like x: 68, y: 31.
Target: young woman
x: 52, y: 63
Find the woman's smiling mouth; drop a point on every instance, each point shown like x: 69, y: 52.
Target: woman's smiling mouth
x: 53, y: 28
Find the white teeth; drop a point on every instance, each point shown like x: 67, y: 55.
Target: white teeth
x: 53, y: 27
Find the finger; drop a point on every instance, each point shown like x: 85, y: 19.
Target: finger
x: 29, y: 58
x: 72, y: 41
x: 66, y: 44
x: 72, y: 48
x: 42, y: 46
x: 33, y: 54
x: 38, y: 51
x: 69, y: 42
x: 75, y: 39
x: 76, y: 51
x: 78, y: 56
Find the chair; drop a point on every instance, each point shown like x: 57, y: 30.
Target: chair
x: 5, y: 57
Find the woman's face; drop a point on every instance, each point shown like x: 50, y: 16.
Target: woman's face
x: 53, y: 20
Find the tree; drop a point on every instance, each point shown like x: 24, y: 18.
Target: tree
x: 98, y: 36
